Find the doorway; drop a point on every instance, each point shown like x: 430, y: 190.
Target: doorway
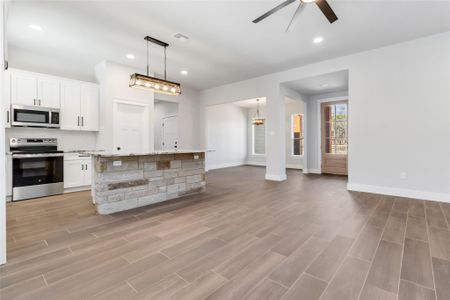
x: 169, y: 132
x: 131, y: 123
x: 334, y: 128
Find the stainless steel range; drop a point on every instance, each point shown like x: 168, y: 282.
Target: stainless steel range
x: 37, y: 168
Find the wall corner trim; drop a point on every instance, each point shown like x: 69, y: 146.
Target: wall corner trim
x: 415, y: 194
x: 276, y: 177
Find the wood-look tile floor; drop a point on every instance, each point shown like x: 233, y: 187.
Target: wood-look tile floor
x: 245, y: 238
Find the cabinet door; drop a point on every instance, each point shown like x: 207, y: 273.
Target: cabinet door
x: 48, y: 92
x: 90, y: 107
x: 8, y: 175
x: 7, y: 99
x: 23, y: 89
x: 73, y: 173
x: 87, y: 171
x: 70, y: 106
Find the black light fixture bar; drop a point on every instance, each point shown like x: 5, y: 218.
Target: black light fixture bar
x: 156, y: 41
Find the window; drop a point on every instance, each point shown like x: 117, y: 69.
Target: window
x: 298, y: 143
x: 259, y: 139
x: 335, y: 116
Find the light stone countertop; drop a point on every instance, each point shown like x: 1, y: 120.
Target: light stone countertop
x: 158, y: 152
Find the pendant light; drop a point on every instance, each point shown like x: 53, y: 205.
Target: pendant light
x: 158, y: 85
x: 257, y: 120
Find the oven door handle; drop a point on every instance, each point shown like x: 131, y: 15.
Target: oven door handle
x: 38, y: 155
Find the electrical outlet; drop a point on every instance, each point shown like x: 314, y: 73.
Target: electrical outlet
x: 403, y: 175
x: 117, y: 163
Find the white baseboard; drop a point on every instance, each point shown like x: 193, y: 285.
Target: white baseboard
x: 422, y: 195
x: 294, y: 166
x: 226, y: 165
x: 255, y: 163
x: 77, y: 189
x: 274, y: 177
x: 315, y: 171
x: 263, y: 164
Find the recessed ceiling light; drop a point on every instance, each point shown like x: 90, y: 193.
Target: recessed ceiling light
x: 130, y: 56
x: 184, y: 72
x: 35, y: 27
x: 318, y: 40
x: 324, y: 85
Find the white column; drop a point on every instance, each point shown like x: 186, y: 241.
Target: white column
x: 275, y: 138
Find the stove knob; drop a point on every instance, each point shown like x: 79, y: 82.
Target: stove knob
x: 13, y: 141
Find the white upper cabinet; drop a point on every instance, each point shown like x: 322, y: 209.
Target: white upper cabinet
x: 24, y: 89
x: 48, y: 92
x: 33, y: 89
x: 70, y: 105
x: 78, y: 101
x: 90, y: 95
x: 79, y: 106
x: 6, y: 96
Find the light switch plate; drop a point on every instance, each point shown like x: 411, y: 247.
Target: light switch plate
x: 117, y: 163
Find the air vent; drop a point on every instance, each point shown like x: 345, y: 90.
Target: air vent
x: 181, y: 37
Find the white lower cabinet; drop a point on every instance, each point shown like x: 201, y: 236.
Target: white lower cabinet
x: 77, y: 172
x: 9, y: 175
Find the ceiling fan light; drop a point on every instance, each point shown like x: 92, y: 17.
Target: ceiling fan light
x: 155, y: 84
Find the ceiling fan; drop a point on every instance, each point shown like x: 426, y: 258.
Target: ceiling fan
x: 322, y: 4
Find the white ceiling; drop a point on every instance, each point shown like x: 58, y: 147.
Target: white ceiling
x: 249, y: 103
x: 224, y: 46
x: 326, y: 83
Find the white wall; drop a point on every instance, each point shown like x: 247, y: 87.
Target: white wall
x: 292, y: 107
x: 2, y: 156
x: 189, y: 118
x: 400, y: 115
x: 67, y: 140
x: 162, y: 109
x: 226, y: 136
x: 114, y: 85
x: 314, y: 127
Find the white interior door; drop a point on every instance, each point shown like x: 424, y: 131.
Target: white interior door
x: 131, y: 127
x: 169, y: 133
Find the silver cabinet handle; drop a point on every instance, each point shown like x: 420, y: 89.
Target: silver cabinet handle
x: 82, y: 121
x: 82, y: 167
x: 7, y: 116
x: 86, y: 167
x: 78, y: 120
x: 34, y: 101
x: 39, y: 102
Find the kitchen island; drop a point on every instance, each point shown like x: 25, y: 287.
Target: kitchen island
x: 126, y: 181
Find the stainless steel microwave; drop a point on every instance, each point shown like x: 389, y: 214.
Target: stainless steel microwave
x: 31, y: 116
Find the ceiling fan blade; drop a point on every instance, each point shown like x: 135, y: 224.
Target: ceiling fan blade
x: 273, y: 10
x: 295, y: 17
x: 327, y: 10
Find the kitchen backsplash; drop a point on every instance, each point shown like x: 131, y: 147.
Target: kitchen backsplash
x: 67, y: 140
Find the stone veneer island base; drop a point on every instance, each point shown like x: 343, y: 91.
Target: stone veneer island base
x: 123, y: 182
